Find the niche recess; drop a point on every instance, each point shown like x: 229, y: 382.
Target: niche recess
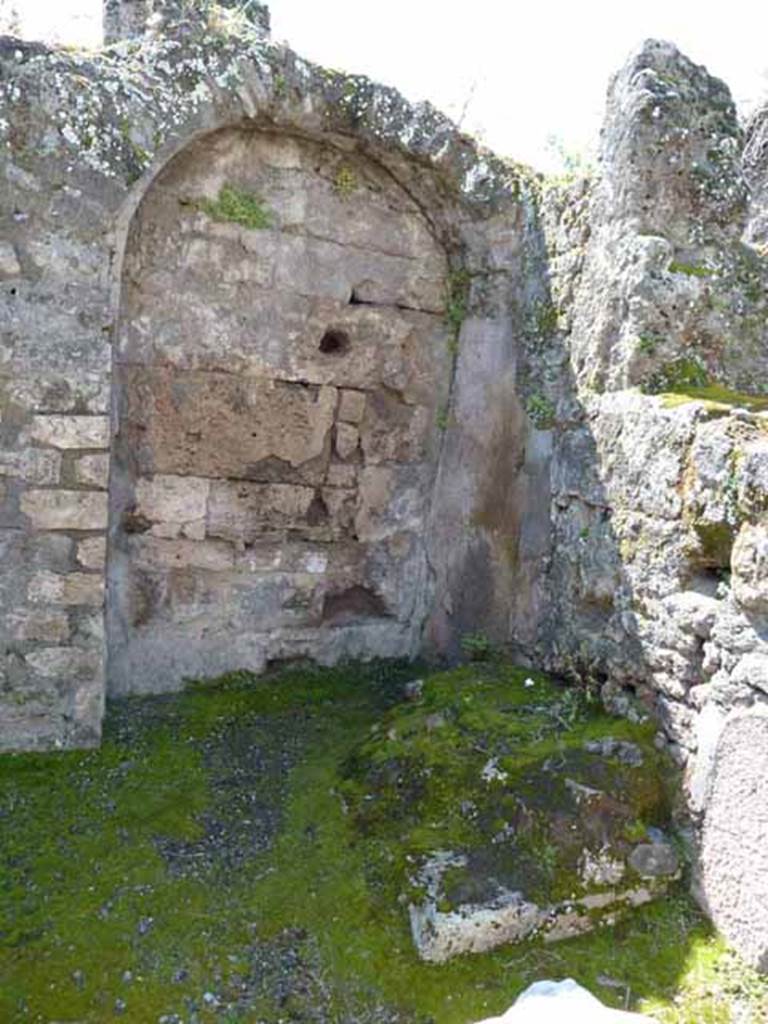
x: 276, y: 441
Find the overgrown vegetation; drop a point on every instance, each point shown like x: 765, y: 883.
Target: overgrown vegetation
x: 237, y: 206
x: 205, y: 862
x: 540, y: 411
x: 346, y: 182
x: 456, y: 300
x: 689, y: 269
x: 680, y: 374
x: 716, y: 397
x: 477, y: 646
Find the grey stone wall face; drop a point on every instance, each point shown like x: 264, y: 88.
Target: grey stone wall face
x: 303, y: 499
x: 659, y: 463
x: 278, y: 390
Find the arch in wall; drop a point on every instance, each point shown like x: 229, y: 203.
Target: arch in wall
x: 280, y: 363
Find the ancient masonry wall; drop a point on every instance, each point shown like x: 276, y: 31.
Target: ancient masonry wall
x: 249, y: 280
x: 367, y: 388
x: 278, y: 387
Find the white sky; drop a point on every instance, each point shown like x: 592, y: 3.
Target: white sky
x: 516, y: 72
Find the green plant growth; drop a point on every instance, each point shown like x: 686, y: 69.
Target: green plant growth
x: 690, y: 269
x: 346, y: 182
x: 647, y: 344
x: 540, y: 411
x: 716, y: 398
x: 456, y: 300
x: 237, y: 206
x: 476, y: 646
x: 208, y: 862
x: 678, y: 375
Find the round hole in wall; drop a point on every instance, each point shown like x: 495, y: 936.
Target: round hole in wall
x: 334, y: 343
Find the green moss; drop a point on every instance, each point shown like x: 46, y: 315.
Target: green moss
x: 477, y: 646
x: 540, y: 411
x: 542, y: 320
x: 678, y: 375
x: 346, y: 182
x: 456, y: 301
x: 237, y: 206
x: 647, y: 344
x: 715, y: 397
x: 93, y: 845
x: 690, y: 269
x: 715, y: 543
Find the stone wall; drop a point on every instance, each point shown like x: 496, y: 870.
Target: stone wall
x: 280, y: 373
x: 367, y: 388
x: 292, y: 392
x: 660, y: 465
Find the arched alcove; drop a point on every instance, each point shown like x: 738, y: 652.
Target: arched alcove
x: 280, y: 369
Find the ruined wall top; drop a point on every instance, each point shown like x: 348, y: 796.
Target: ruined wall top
x: 132, y: 19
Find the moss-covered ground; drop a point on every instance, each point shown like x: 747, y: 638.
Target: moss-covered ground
x: 204, y: 865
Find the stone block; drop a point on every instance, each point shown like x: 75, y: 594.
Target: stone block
x: 92, y: 552
x: 347, y: 440
x: 65, y: 510
x: 75, y: 588
x: 48, y: 626
x: 70, y: 431
x: 65, y: 662
x: 733, y: 880
x: 33, y: 465
x: 243, y: 511
x: 154, y: 552
x: 93, y: 470
x: 752, y: 670
x: 173, y: 500
x: 394, y: 431
x: 351, y: 405
x: 227, y: 425
x: 749, y: 568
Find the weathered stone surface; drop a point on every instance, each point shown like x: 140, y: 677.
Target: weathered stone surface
x: 92, y: 552
x: 33, y: 465
x: 752, y: 670
x: 66, y: 663
x: 245, y: 511
x: 177, y: 501
x: 734, y: 857
x: 65, y: 510
x: 351, y: 405
x: 347, y: 440
x: 184, y: 554
x: 47, y: 626
x: 749, y: 568
x: 93, y: 470
x: 75, y: 588
x: 221, y: 425
x: 71, y: 431
x: 9, y: 263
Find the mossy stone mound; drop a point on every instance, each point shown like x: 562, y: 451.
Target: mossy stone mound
x: 511, y: 805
